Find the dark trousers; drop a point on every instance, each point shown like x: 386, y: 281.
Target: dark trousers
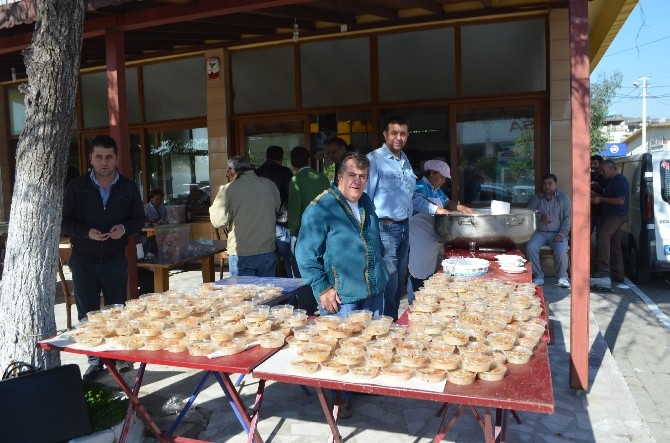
x: 89, y: 278
x: 610, y: 256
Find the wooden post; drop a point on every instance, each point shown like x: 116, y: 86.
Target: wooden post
x: 118, y: 127
x: 581, y: 191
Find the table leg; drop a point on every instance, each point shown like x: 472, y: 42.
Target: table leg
x: 207, y: 264
x: 236, y: 403
x: 256, y: 412
x: 129, y: 413
x: 135, y: 402
x: 446, y: 424
x: 332, y: 421
x: 188, y: 405
x: 501, y: 424
x: 489, y: 429
x: 161, y: 279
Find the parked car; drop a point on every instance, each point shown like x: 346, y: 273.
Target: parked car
x: 645, y: 237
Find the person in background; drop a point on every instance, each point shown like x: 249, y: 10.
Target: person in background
x: 598, y: 183
x: 335, y: 150
x: 553, y: 225
x: 246, y: 209
x: 154, y: 210
x: 281, y: 176
x: 423, y: 241
x: 391, y: 187
x: 615, y: 201
x: 305, y: 185
x: 339, y: 249
x: 101, y: 210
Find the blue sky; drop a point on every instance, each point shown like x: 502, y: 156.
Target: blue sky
x: 641, y: 49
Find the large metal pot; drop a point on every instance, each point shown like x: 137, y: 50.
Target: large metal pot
x: 487, y: 230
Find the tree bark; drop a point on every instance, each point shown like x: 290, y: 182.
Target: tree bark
x: 29, y: 281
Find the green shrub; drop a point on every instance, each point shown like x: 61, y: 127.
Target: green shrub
x: 104, y: 405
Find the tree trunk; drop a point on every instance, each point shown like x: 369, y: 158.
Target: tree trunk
x: 29, y: 280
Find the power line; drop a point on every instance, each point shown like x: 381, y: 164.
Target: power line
x: 637, y: 46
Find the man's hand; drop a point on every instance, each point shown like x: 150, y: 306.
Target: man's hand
x: 330, y: 301
x: 94, y: 234
x: 596, y: 199
x: 558, y: 238
x: 465, y: 210
x: 116, y: 232
x: 544, y: 218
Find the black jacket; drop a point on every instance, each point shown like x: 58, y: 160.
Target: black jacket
x: 83, y: 209
x: 281, y: 176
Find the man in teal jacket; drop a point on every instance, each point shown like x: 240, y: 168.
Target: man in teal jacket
x: 339, y: 250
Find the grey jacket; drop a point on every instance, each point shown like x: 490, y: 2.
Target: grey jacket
x: 564, y: 210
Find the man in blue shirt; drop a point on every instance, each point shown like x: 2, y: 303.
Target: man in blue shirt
x: 614, y: 202
x: 391, y: 185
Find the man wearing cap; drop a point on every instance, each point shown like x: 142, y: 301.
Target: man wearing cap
x: 423, y: 242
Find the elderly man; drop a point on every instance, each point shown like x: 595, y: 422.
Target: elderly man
x: 246, y: 209
x: 423, y: 242
x: 339, y: 249
x: 615, y: 201
x: 391, y: 187
x: 553, y: 225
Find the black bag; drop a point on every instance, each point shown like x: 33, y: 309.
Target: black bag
x: 42, y: 406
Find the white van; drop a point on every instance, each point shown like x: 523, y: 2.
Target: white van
x: 645, y: 237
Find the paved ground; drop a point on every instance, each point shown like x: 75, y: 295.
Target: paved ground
x: 626, y: 401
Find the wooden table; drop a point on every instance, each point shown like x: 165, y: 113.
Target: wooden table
x: 221, y: 368
x: 525, y: 388
x: 203, y: 250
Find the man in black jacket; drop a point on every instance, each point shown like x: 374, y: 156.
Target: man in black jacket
x: 100, y: 210
x: 281, y: 176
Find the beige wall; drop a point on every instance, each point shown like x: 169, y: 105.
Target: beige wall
x: 560, y: 152
x: 217, y: 123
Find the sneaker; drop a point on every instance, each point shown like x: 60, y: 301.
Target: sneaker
x: 92, y: 372
x: 563, y: 282
x: 538, y: 281
x: 123, y: 366
x: 345, y: 409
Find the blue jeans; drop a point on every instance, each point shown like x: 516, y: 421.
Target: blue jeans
x: 283, y: 242
x: 541, y: 238
x: 259, y: 265
x: 373, y: 304
x: 395, y: 238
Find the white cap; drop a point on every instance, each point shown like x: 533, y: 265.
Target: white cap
x: 439, y: 166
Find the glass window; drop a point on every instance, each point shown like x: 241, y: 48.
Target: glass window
x: 335, y: 72
x: 17, y: 110
x: 95, y: 111
x: 496, y: 155
x: 259, y: 136
x: 428, y: 134
x: 263, y: 79
x: 175, y: 89
x: 433, y: 49
x: 503, y: 58
x: 179, y: 165
x: 355, y: 128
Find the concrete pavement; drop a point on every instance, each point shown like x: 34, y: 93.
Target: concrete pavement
x: 625, y: 403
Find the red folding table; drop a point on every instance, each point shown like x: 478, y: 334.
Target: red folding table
x: 221, y: 368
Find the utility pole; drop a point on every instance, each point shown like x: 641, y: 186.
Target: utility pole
x: 644, y: 110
